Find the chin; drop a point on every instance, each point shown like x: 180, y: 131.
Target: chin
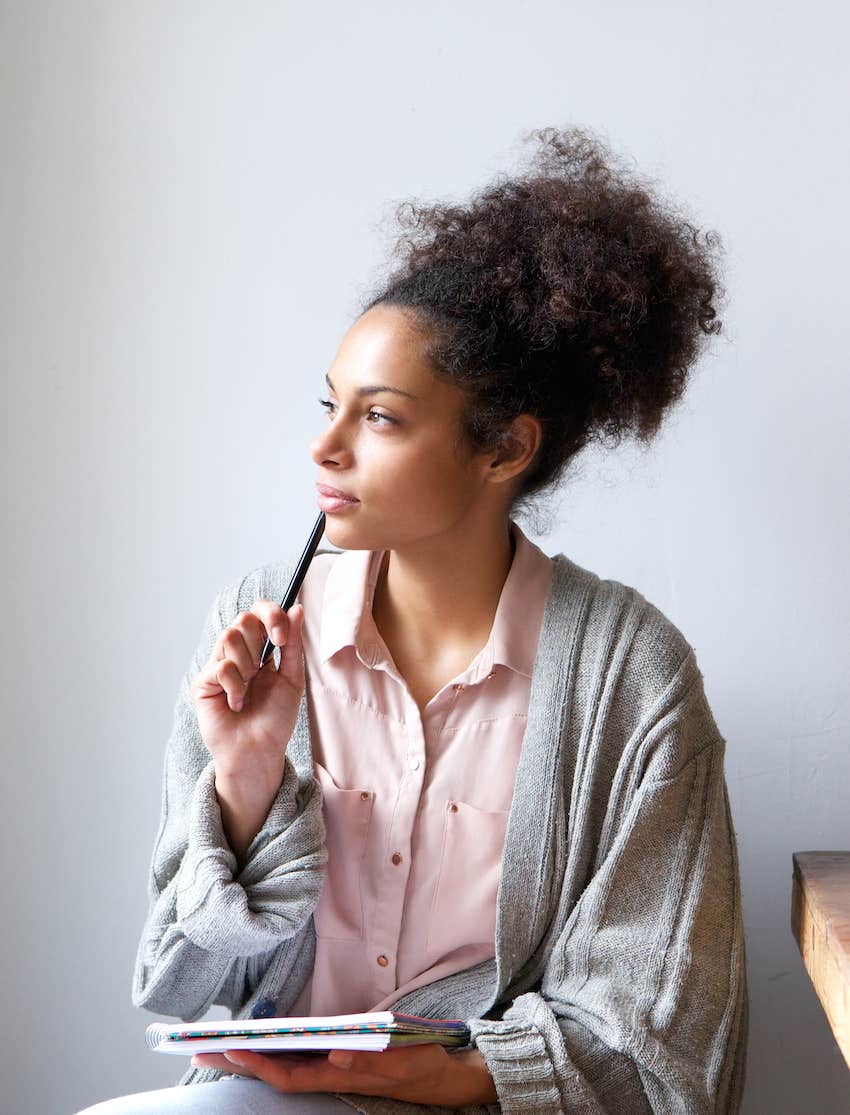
x: 346, y: 535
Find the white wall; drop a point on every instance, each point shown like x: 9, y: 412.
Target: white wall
x: 191, y: 199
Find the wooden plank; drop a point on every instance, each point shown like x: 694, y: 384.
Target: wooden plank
x: 820, y: 920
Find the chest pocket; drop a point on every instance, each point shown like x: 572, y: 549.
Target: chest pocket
x: 463, y: 911
x: 347, y: 815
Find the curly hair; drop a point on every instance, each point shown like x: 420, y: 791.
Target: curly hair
x: 571, y: 292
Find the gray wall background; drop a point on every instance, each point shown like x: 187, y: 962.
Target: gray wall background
x: 193, y: 196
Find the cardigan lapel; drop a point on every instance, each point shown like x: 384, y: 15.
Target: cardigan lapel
x: 536, y: 840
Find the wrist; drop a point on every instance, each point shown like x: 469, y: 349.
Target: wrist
x: 474, y: 1084
x: 247, y: 789
x: 244, y: 807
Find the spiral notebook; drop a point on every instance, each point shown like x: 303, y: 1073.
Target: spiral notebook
x: 376, y: 1031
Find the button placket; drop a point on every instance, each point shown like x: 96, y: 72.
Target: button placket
x: 394, y: 877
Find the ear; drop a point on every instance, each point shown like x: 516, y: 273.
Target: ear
x: 518, y: 448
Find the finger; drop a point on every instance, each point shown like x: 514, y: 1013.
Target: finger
x: 230, y: 680
x: 291, y: 657
x: 241, y: 642
x: 305, y: 1076
x: 216, y: 677
x: 219, y: 1061
x: 274, y: 621
x: 205, y: 683
x: 362, y: 1063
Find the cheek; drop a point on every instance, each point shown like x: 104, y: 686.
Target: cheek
x: 428, y: 463
x: 435, y: 479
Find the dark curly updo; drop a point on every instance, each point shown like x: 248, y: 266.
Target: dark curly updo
x: 570, y: 292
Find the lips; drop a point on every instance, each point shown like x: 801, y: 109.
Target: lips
x: 334, y: 502
x: 335, y: 493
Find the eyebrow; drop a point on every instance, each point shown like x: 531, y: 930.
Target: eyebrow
x: 375, y: 389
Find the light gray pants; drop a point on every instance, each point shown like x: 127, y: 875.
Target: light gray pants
x: 227, y: 1096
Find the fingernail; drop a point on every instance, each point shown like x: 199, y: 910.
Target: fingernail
x: 341, y: 1058
x: 236, y: 1058
x: 278, y: 636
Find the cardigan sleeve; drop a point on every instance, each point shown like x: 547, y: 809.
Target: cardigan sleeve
x: 643, y: 997
x: 211, y: 930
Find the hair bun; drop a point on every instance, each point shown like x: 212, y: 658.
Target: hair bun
x: 572, y: 290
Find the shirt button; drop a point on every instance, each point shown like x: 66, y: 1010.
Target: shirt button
x: 382, y: 960
x: 414, y: 764
x: 453, y: 807
x: 396, y: 858
x: 492, y: 674
x: 457, y: 687
x: 364, y: 795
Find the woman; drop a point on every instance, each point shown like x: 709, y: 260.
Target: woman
x: 478, y: 782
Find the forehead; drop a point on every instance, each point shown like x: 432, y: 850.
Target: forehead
x: 385, y: 343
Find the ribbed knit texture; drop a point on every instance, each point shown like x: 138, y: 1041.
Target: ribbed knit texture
x: 618, y: 984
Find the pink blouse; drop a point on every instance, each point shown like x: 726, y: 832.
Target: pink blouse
x: 415, y: 806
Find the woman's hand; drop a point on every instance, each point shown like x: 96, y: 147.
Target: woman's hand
x: 425, y: 1073
x: 246, y: 716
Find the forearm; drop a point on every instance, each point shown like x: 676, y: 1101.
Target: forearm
x: 244, y: 805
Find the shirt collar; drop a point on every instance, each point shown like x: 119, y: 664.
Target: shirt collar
x: 347, y: 606
x: 350, y: 590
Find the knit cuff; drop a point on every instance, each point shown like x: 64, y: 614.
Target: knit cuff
x: 529, y: 1062
x: 213, y: 903
x: 522, y: 1070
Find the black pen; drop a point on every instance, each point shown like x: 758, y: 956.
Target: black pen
x: 298, y: 576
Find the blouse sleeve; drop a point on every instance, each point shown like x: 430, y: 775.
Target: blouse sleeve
x: 643, y: 998
x: 211, y: 930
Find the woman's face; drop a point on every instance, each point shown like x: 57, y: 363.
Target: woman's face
x: 391, y: 441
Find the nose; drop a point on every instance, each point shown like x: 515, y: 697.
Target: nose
x: 330, y: 446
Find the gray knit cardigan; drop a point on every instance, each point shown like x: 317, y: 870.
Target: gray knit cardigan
x: 618, y: 983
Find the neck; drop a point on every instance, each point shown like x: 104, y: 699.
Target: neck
x: 445, y: 590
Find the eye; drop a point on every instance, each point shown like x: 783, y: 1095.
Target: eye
x: 384, y: 418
